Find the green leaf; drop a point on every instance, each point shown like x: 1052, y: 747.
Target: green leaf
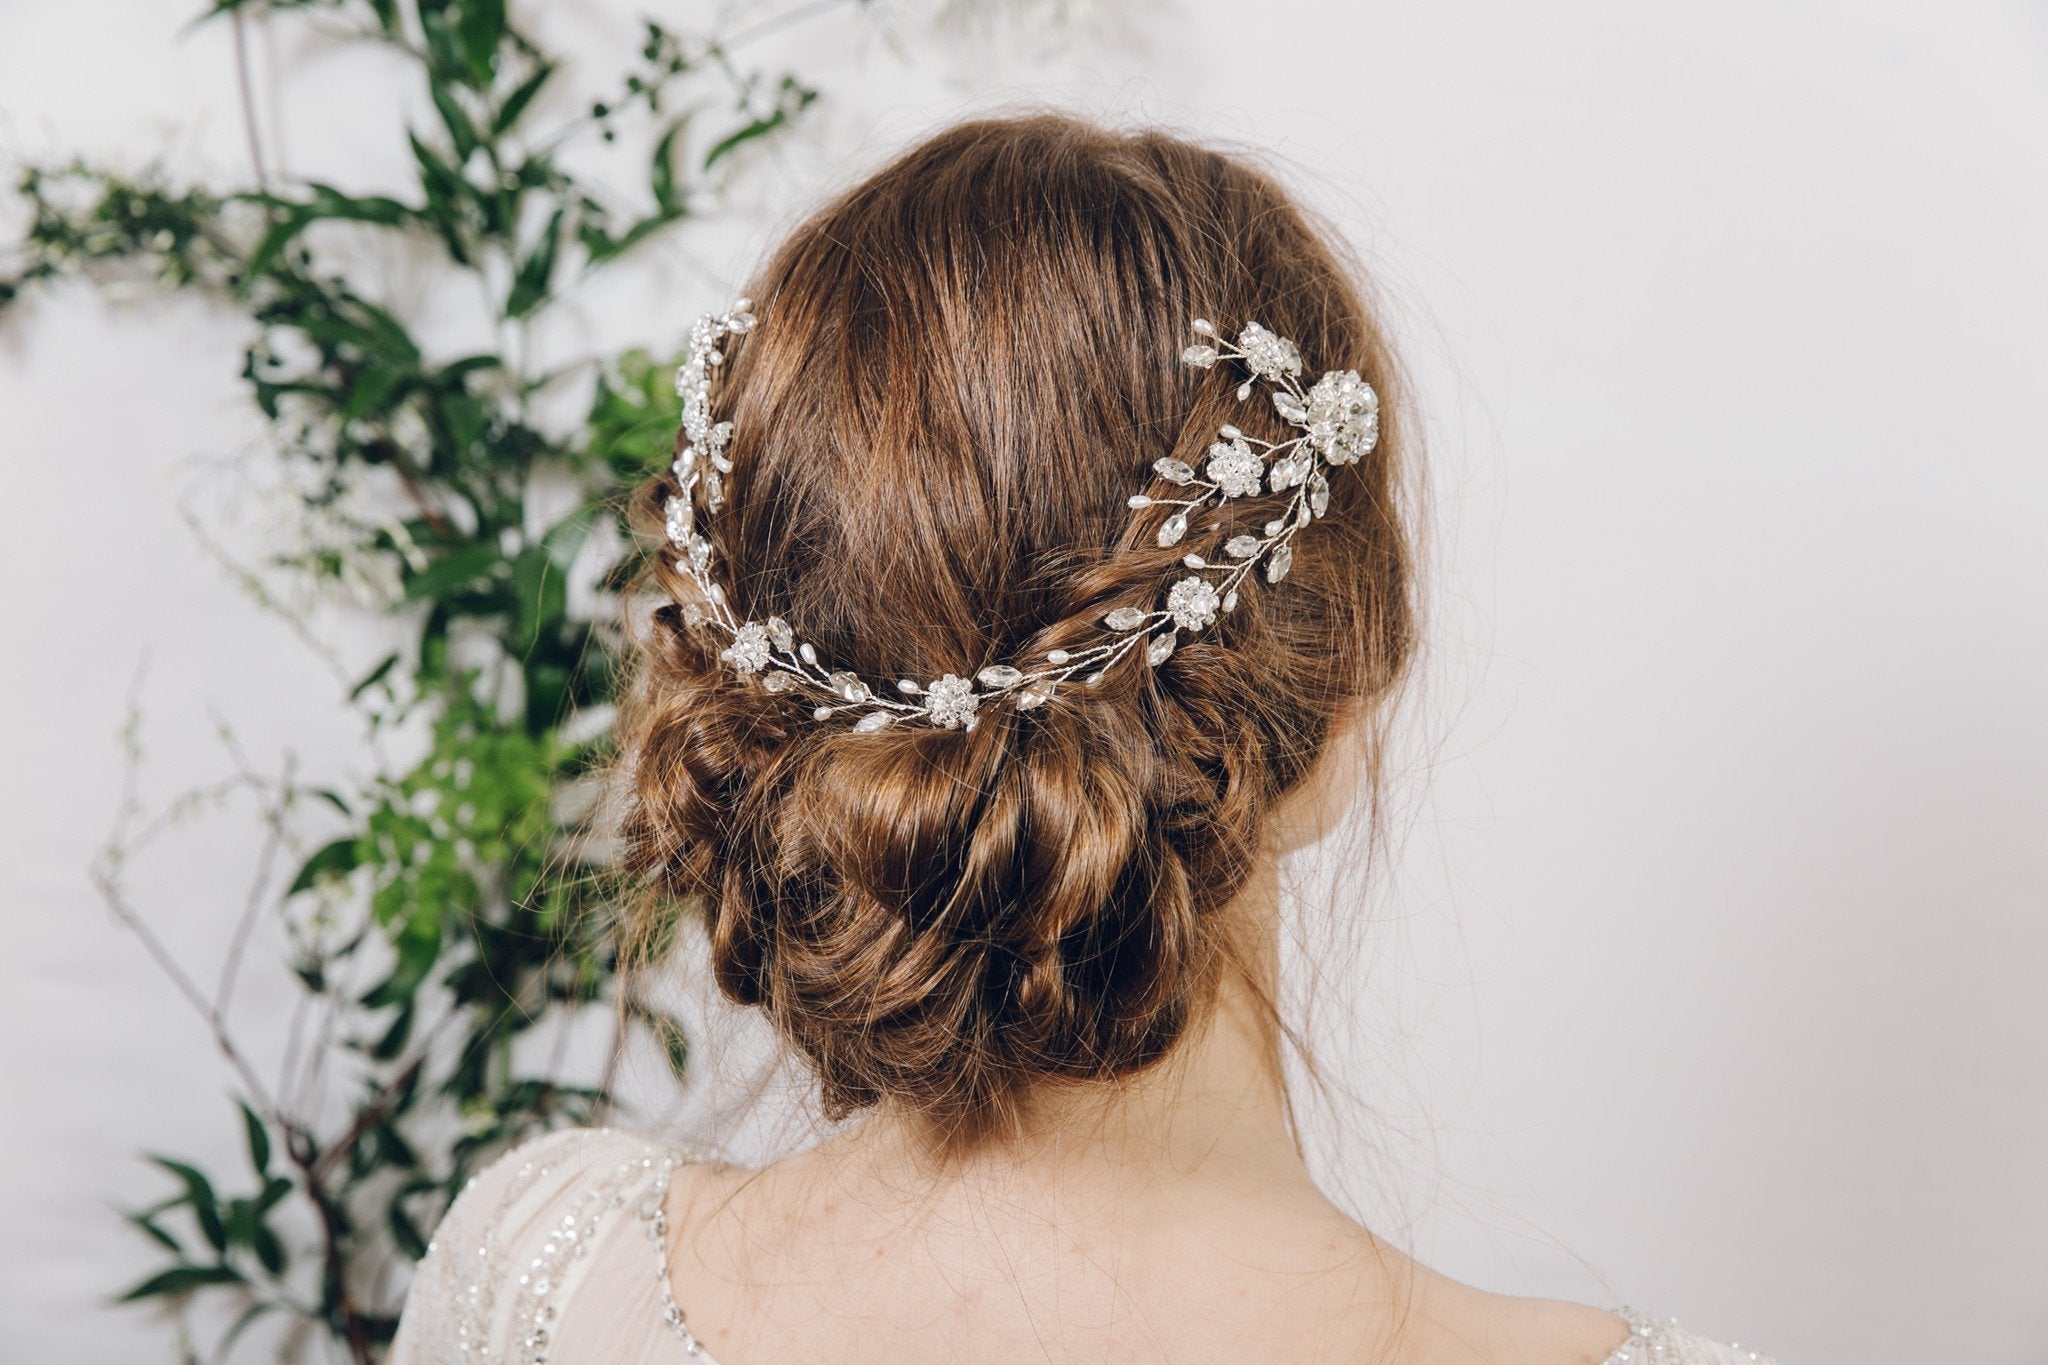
x: 376, y: 390
x: 481, y: 26
x: 761, y: 127
x: 530, y: 288
x: 668, y: 1031
x: 515, y: 103
x: 326, y: 203
x: 335, y: 860
x: 455, y: 371
x: 259, y: 1140
x: 332, y: 797
x: 198, y: 1189
x: 200, y: 1198
x: 269, y: 1250
x: 542, y: 595
x: 394, y: 1039
x: 460, y: 130
x: 662, y: 174
x: 249, y: 1315
x: 450, y: 572
x: 447, y: 193
x: 148, y: 1225
x: 370, y: 680
x: 274, y: 1189
x: 182, y: 1280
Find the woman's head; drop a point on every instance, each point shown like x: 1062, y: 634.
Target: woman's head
x: 965, y: 366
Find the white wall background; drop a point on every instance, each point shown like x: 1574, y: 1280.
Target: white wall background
x: 1714, y: 980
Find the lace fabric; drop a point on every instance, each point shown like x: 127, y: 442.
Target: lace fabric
x: 558, y: 1252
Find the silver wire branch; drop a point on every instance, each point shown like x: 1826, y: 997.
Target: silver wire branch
x: 1338, y: 421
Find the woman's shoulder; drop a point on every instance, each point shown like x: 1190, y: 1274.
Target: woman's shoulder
x: 518, y: 1233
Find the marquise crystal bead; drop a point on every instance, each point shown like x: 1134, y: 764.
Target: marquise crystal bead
x: 1124, y: 618
x: 1244, y: 547
x: 1172, y: 470
x: 1277, y: 565
x: 1161, y: 648
x: 1000, y: 675
x: 1173, y: 528
x: 1035, y: 694
x: 874, y: 720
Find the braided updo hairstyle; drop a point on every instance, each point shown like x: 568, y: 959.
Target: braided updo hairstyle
x: 965, y: 365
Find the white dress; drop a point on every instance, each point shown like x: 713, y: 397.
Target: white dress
x: 555, y: 1252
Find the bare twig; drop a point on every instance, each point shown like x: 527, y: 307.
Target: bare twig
x: 245, y: 87
x: 105, y: 873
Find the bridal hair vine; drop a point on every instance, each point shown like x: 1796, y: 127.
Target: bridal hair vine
x: 1338, y: 422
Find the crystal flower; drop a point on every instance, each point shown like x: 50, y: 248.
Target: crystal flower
x: 1267, y: 355
x: 1343, y: 416
x: 952, y: 701
x: 1234, y: 469
x: 1192, y: 602
x: 748, y: 651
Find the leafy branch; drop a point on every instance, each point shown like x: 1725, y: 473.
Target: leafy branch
x: 451, y: 903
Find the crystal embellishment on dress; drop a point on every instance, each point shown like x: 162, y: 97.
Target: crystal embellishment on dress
x: 653, y: 1210
x: 1338, y: 421
x: 1662, y: 1341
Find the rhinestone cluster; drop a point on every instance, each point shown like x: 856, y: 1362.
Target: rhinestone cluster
x: 1338, y: 423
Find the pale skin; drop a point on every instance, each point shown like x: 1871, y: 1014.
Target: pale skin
x: 1166, y: 1218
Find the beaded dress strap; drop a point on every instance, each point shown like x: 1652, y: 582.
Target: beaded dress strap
x: 654, y: 1212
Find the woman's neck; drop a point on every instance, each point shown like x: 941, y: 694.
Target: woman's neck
x: 1212, y: 1113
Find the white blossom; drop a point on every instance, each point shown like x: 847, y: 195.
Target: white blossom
x: 1235, y: 469
x: 1343, y: 416
x: 748, y: 651
x: 1192, y: 602
x: 952, y: 701
x: 1267, y: 355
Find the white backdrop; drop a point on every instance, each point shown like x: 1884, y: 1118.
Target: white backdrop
x: 1714, y: 976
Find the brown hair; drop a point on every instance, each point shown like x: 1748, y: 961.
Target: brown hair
x: 965, y: 364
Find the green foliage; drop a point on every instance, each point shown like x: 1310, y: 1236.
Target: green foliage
x: 456, y: 891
